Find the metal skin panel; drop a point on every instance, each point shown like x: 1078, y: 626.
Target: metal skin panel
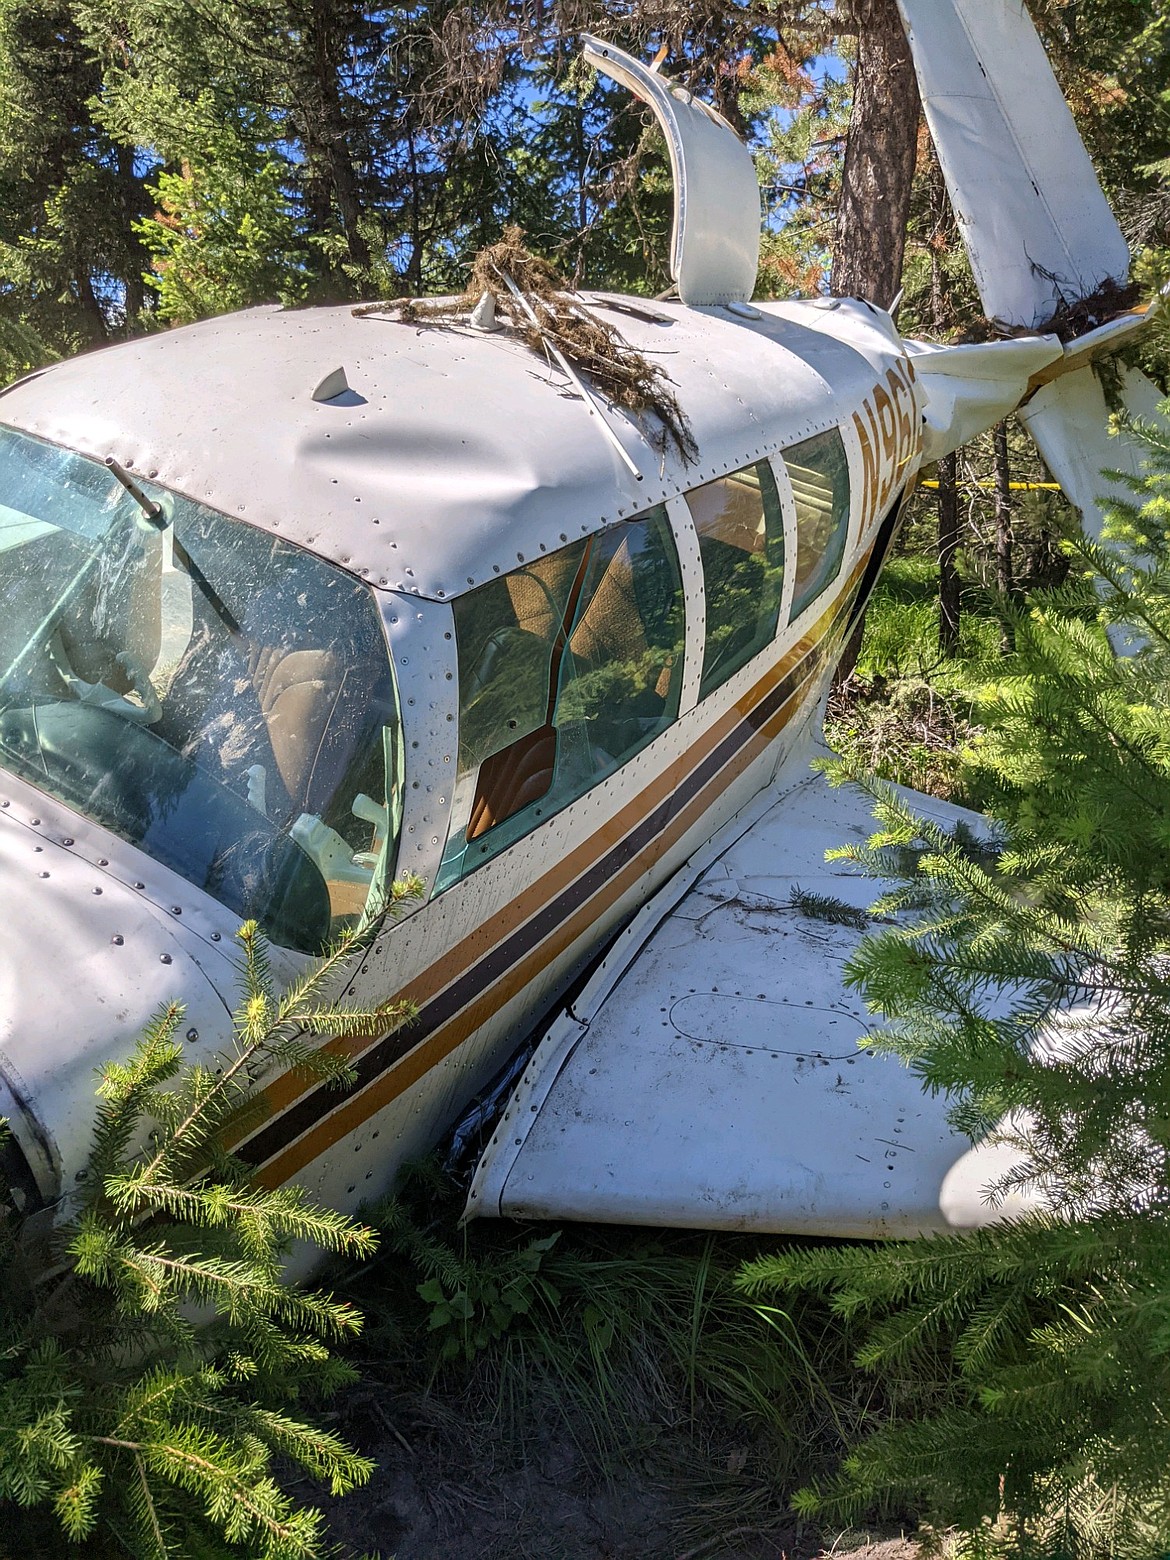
x: 686, y: 542
x: 1025, y: 192
x: 421, y: 635
x: 463, y: 455
x: 1070, y: 422
x: 710, y: 1075
x: 970, y: 388
x: 87, y: 959
x: 715, y: 248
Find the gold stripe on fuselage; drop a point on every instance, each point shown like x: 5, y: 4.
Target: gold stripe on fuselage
x: 351, y: 1112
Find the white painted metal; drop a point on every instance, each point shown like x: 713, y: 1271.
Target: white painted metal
x: 456, y: 454
x: 96, y: 937
x: 1032, y: 215
x: 690, y: 560
x: 711, y: 1073
x: 1070, y: 422
x: 970, y: 388
x: 421, y: 635
x: 715, y: 248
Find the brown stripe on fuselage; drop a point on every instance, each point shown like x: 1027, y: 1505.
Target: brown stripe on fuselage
x: 462, y: 990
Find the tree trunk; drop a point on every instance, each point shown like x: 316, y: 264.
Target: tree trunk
x: 1004, y: 579
x: 138, y: 260
x: 948, y: 541
x: 880, y: 156
x: 327, y: 116
x: 949, y: 606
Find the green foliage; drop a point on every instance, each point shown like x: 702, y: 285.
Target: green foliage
x: 1027, y: 980
x: 473, y: 1304
x: 908, y: 713
x: 633, y: 1345
x: 152, y: 1359
x: 805, y: 117
x: 224, y: 236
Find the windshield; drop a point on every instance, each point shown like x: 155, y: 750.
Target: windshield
x: 216, y: 696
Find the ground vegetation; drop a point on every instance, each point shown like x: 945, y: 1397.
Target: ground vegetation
x: 157, y: 1375
x: 1026, y: 983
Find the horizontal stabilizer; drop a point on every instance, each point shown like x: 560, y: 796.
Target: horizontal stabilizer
x: 969, y: 388
x: 710, y: 1073
x: 1070, y: 421
x: 1032, y: 214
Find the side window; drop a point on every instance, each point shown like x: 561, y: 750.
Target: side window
x: 741, y: 541
x: 508, y: 634
x: 567, y: 667
x: 622, y: 674
x: 819, y: 471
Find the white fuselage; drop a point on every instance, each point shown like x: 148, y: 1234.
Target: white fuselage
x: 486, y: 956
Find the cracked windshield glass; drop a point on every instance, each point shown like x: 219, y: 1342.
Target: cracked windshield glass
x: 217, y: 697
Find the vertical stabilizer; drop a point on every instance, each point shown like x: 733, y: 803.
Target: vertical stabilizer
x: 1032, y: 214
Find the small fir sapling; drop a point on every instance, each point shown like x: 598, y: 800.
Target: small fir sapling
x: 1026, y: 1366
x: 154, y: 1366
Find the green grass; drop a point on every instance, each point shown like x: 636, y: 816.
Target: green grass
x: 632, y: 1347
x: 901, y: 630
x: 908, y: 712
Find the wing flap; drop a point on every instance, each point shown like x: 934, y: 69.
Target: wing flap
x: 1026, y: 196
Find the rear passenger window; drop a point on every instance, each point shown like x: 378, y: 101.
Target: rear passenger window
x: 622, y: 674
x: 819, y: 471
x: 741, y: 540
x: 567, y: 667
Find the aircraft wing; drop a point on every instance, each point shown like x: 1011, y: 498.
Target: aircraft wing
x: 1031, y: 212
x: 710, y: 1074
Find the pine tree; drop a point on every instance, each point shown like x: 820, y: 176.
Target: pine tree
x: 1028, y: 1365
x: 153, y: 1362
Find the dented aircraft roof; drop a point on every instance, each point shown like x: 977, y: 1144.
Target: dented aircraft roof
x: 453, y: 454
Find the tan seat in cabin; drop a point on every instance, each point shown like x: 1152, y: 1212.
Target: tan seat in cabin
x: 298, y: 691
x: 116, y: 614
x: 611, y: 630
x: 522, y: 773
x: 611, y: 625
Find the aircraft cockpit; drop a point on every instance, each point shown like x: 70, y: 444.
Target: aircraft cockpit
x: 219, y: 698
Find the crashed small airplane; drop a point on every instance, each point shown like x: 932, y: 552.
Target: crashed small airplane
x: 296, y: 602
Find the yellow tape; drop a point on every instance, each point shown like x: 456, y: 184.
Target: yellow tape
x: 1016, y: 487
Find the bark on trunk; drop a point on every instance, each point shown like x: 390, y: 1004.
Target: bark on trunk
x: 879, y: 159
x: 880, y: 155
x: 949, y: 605
x: 328, y: 117
x: 948, y: 541
x: 1004, y: 578
x: 130, y: 195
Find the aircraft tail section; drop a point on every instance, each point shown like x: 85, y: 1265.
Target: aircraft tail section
x: 1031, y: 211
x: 1069, y: 420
